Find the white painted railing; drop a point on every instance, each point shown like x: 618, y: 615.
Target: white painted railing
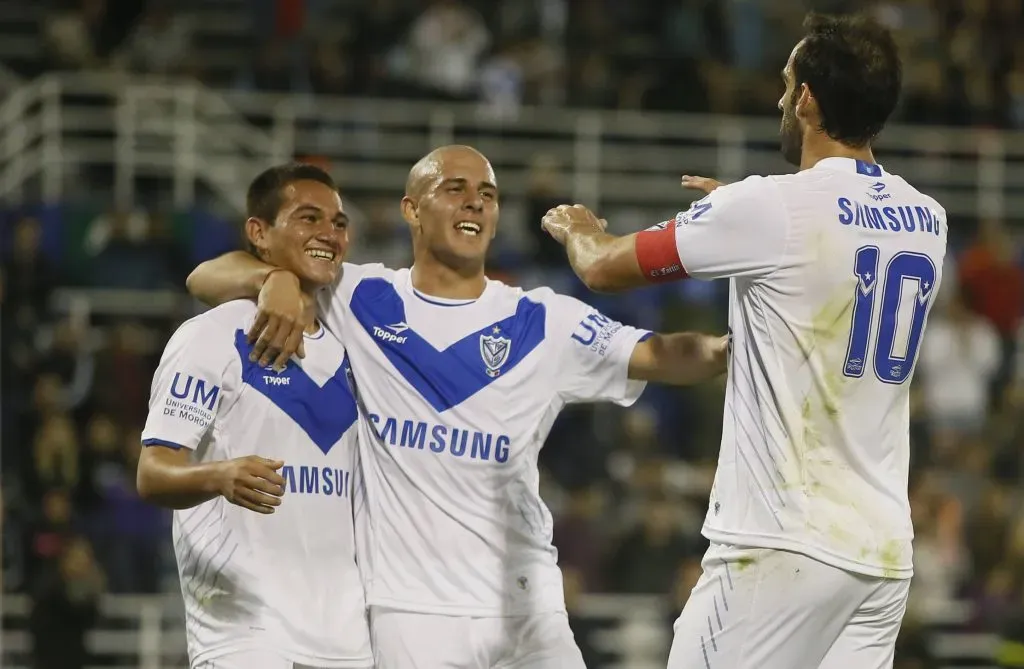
x: 188, y: 134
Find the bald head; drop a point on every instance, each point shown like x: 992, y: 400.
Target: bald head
x: 431, y: 167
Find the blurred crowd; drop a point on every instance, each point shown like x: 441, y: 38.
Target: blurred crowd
x: 965, y: 58
x: 628, y: 487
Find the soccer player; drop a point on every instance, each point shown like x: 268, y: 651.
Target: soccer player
x: 259, y: 465
x: 832, y: 273
x: 460, y: 378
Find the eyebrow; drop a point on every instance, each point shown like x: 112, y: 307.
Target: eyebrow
x: 461, y: 181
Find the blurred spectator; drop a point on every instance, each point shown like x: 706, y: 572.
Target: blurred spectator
x: 331, y: 71
x: 273, y: 70
x: 56, y: 457
x: 649, y: 556
x: 64, y: 608
x: 135, y: 258
x: 49, y: 534
x: 959, y: 359
x: 74, y: 35
x: 128, y: 532
x: 445, y: 45
x: 993, y: 283
x: 580, y: 537
x: 160, y: 43
x: 30, y: 275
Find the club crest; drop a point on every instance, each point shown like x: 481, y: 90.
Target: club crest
x: 494, y: 351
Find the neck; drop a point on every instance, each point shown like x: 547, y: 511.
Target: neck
x: 438, y: 280
x: 310, y: 311
x: 818, y: 147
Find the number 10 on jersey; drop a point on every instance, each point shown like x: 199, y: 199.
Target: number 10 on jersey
x: 897, y: 333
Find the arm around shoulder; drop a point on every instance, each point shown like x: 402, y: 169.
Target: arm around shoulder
x: 232, y: 276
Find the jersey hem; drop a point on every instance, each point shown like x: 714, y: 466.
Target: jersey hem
x: 362, y: 662
x: 465, y: 611
x: 818, y: 553
x: 218, y: 651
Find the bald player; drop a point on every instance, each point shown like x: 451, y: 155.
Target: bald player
x: 459, y: 380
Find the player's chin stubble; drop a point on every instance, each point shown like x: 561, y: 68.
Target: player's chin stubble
x: 791, y: 139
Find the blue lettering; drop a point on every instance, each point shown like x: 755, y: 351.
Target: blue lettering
x: 413, y: 434
x: 876, y: 218
x: 894, y: 218
x: 288, y: 474
x: 390, y: 428
x: 309, y: 479
x: 432, y: 437
x: 329, y: 481
x: 846, y: 214
x: 501, y: 448
x: 207, y: 399
x: 481, y: 449
x: 924, y: 218
x: 698, y: 208
x: 174, y: 386
x: 597, y: 321
x: 458, y: 446
x: 437, y: 442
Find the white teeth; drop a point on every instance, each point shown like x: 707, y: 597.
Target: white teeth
x: 320, y: 253
x: 468, y: 227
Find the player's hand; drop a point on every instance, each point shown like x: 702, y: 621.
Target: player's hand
x: 251, y: 482
x: 564, y: 219
x: 703, y: 184
x: 282, y: 317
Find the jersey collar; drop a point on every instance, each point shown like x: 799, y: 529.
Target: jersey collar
x: 851, y: 165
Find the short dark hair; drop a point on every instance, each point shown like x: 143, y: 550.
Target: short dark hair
x: 852, y: 66
x: 263, y: 199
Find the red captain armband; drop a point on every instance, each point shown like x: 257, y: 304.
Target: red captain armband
x: 657, y: 253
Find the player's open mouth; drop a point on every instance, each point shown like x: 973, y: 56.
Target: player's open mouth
x: 468, y: 228
x: 321, y: 254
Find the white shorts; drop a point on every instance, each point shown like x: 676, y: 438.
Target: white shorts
x: 768, y: 609
x: 403, y: 640
x: 252, y: 659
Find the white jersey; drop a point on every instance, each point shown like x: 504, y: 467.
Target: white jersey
x: 286, y: 581
x: 832, y: 274
x: 459, y: 398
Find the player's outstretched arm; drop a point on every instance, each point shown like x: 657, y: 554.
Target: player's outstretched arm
x: 681, y: 358
x: 167, y: 477
x: 603, y: 262
x: 276, y: 334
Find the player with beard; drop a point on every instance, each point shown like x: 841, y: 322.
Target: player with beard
x: 832, y: 272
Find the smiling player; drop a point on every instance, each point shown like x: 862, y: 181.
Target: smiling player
x: 461, y: 378
x: 259, y: 464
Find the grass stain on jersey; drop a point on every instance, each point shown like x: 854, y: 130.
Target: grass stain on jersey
x: 744, y: 563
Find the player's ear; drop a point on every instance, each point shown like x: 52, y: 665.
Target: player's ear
x: 256, y: 233
x: 410, y: 212
x: 806, y: 105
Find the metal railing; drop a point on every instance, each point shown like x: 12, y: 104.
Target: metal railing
x: 188, y: 134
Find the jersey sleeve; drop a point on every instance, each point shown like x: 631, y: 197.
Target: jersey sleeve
x: 190, y: 387
x: 739, y: 230
x: 594, y: 360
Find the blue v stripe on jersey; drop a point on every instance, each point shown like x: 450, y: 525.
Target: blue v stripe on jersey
x: 324, y: 413
x: 444, y: 378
